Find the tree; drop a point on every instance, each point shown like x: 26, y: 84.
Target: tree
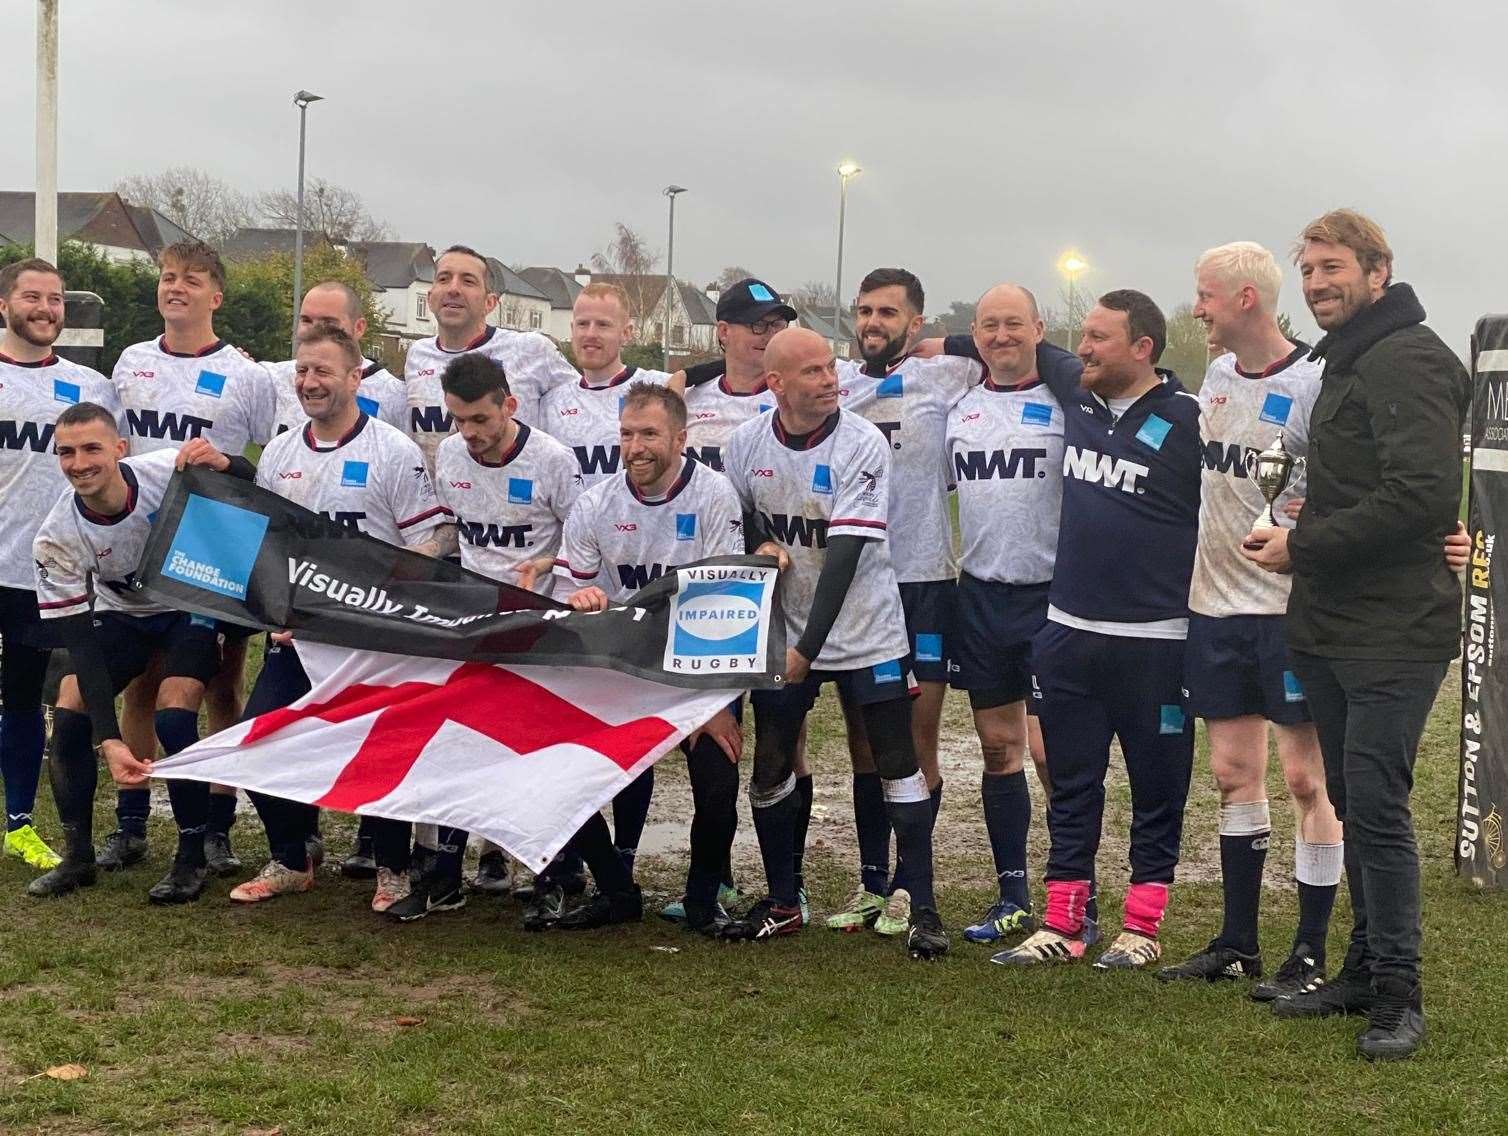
x: 959, y: 318
x: 257, y: 314
x: 193, y: 200
x: 332, y: 211
x: 629, y: 259
x: 1187, y: 353
x: 816, y: 294
x: 730, y: 276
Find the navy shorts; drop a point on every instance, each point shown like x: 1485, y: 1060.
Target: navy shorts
x: 1238, y: 665
x: 190, y: 645
x: 929, y: 608
x: 862, y: 687
x: 992, y: 632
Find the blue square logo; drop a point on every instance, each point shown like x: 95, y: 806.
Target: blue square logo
x: 210, y: 383
x: 891, y: 386
x: 761, y: 293
x: 1275, y: 408
x: 1170, y: 718
x: 928, y: 648
x: 65, y: 392
x: 685, y: 526
x: 520, y: 491
x: 886, y: 672
x: 1036, y: 414
x: 1292, y: 690
x: 1154, y: 432
x: 822, y: 479
x: 368, y: 405
x: 215, y: 547
x: 763, y: 406
x: 353, y: 474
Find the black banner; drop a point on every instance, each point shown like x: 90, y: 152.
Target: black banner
x: 226, y: 548
x: 1480, y: 853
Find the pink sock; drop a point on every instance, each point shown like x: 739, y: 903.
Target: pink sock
x: 1065, y: 906
x: 1145, y: 905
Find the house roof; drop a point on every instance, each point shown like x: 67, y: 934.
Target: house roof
x: 699, y: 305
x: 96, y: 218
x: 252, y: 244
x: 394, y: 264
x: 820, y: 320
x: 557, y: 285
x: 511, y: 283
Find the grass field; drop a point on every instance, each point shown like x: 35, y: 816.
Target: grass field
x: 311, y: 1015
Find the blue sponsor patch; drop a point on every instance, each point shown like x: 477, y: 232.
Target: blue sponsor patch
x: 520, y: 491
x: 717, y: 617
x: 201, y: 621
x: 822, y: 479
x: 1154, y: 432
x: 1275, y: 408
x: 215, y: 546
x: 1036, y: 414
x: 761, y: 293
x: 763, y: 406
x: 353, y: 474
x: 886, y: 672
x: 685, y: 526
x: 368, y: 405
x: 1292, y: 690
x: 928, y: 648
x: 210, y: 383
x: 1170, y: 719
x: 65, y: 392
x: 891, y: 386
x: 621, y: 399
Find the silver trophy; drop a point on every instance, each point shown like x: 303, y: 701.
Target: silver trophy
x: 1272, y: 470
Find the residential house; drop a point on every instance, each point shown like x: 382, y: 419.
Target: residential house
x: 693, y: 319
x: 520, y: 305
x: 561, y: 288
x: 120, y: 230
x: 820, y: 320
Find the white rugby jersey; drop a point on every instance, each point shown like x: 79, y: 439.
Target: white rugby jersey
x: 372, y: 480
x: 1239, y: 416
x: 534, y: 366
x: 1005, y: 448
x: 32, y: 395
x: 619, y: 540
x: 380, y: 395
x: 713, y: 411
x: 217, y: 394
x: 75, y: 543
x: 836, y: 486
x: 909, y: 404
x: 585, y: 419
x: 513, y: 511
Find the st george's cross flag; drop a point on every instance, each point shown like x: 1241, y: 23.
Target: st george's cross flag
x: 522, y: 755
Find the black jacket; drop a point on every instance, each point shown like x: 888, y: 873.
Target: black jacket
x: 1384, y: 474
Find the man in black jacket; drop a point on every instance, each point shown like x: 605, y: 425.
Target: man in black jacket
x: 1374, y: 616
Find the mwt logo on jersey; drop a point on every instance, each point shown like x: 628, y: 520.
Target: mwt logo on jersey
x: 720, y: 619
x: 215, y: 546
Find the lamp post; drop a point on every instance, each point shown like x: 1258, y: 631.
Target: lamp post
x: 1071, y: 264
x: 847, y: 170
x: 301, y: 100
x: 45, y: 228
x: 670, y: 192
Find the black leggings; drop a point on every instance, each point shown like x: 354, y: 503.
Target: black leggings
x: 777, y: 727
x: 714, y: 820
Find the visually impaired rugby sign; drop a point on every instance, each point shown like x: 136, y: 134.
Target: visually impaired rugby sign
x: 720, y: 619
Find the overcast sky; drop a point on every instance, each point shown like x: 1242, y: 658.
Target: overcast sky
x: 992, y: 134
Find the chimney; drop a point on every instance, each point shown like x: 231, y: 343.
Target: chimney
x: 714, y: 293
x: 583, y: 275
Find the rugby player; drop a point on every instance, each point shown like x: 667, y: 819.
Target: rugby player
x: 92, y: 540
x: 1109, y: 662
x: 188, y: 383
x: 370, y: 477
x: 727, y: 392
x: 812, y: 480
x: 664, y: 510
x: 36, y: 385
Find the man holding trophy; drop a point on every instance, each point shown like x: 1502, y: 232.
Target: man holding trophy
x: 1374, y: 614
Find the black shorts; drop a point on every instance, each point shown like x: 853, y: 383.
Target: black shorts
x: 862, y: 687
x: 21, y: 622
x: 991, y: 647
x: 190, y: 645
x: 929, y: 627
x: 1238, y: 665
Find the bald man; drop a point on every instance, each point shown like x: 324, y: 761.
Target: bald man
x: 813, y: 481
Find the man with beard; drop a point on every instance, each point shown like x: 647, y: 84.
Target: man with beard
x: 1373, y: 615
x: 35, y: 387
x: 664, y: 509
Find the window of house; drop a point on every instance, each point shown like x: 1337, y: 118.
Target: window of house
x: 535, y: 320
x: 421, y: 306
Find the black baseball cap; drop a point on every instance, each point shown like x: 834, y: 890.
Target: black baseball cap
x: 749, y: 301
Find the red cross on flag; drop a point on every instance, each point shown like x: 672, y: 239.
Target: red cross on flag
x: 522, y: 755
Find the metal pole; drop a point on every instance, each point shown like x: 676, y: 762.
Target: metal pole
x: 669, y: 278
x: 45, y: 227
x: 1068, y: 331
x: 298, y: 230
x: 838, y: 279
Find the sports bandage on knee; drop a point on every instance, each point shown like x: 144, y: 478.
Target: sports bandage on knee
x: 1145, y: 907
x: 767, y: 798
x: 1251, y: 819
x: 900, y: 790
x: 1318, y: 865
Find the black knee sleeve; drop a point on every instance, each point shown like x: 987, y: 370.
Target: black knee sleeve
x: 889, y: 727
x: 74, y: 772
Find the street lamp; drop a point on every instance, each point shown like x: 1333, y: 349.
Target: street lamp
x: 301, y: 100
x: 1071, y: 264
x: 670, y: 192
x: 849, y: 169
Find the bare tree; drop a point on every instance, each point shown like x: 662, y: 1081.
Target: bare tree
x: 631, y: 263
x: 731, y: 276
x: 193, y: 200
x: 815, y: 294
x: 332, y: 211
